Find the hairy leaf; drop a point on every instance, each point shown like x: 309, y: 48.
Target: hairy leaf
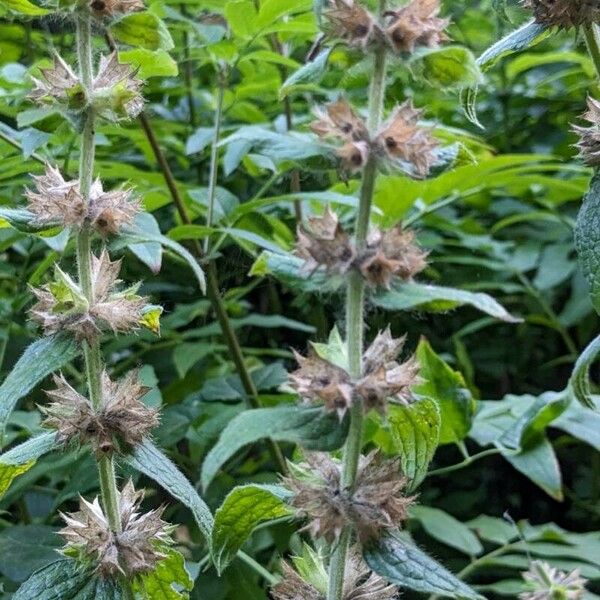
x: 244, y: 508
x: 39, y: 360
x: 312, y: 428
x: 159, y: 583
x: 310, y: 73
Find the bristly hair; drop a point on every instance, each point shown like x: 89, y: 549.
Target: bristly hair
x: 348, y: 21
x: 589, y: 137
x: 112, y: 8
x: 548, y: 583
x: 564, y: 13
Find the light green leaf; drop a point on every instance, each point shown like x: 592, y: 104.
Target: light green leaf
x: 244, y: 508
x: 158, y: 583
x: 493, y: 529
x: 150, y: 460
x: 24, y: 7
x: 448, y: 67
x: 21, y: 458
x: 582, y: 423
x: 241, y: 17
x: 407, y: 566
x: 449, y: 389
x: 309, y: 74
x: 150, y: 253
x: 142, y: 30
x: 312, y: 428
x: 272, y: 10
x: 151, y: 63
x: 411, y: 295
x: 411, y: 432
x: 39, y: 360
x: 446, y: 529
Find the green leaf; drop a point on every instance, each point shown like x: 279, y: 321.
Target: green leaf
x: 587, y: 239
x: 579, y: 383
x: 143, y: 30
x: 21, y: 458
x: 150, y: 253
x: 151, y: 63
x: 149, y: 460
x: 24, y: 7
x: 241, y: 17
x: 158, y: 583
x: 68, y: 580
x: 39, y: 360
x: 407, y: 566
x: 272, y: 10
x: 411, y: 295
x: 582, y: 423
x: 244, y: 508
x: 411, y: 432
x: 449, y: 389
x: 446, y: 529
x: 312, y: 428
x: 310, y: 73
x: 448, y: 67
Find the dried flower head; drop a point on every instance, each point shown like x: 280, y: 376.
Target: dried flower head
x: 402, y: 140
x: 324, y: 243
x: 111, y: 8
x: 388, y: 254
x: 136, y: 549
x: 416, y: 24
x: 354, y: 155
x: 110, y: 211
x: 548, y: 583
x: 564, y: 13
x: 589, y: 137
x: 59, y: 84
x: 62, y: 305
x: 318, y: 380
x: 122, y: 416
x: 385, y: 380
x: 376, y: 503
x: 360, y: 583
x: 350, y: 22
x: 339, y: 121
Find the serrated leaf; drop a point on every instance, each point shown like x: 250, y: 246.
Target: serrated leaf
x: 449, y: 389
x: 312, y: 428
x: 310, y: 73
x: 24, y: 7
x: 414, y: 295
x: 150, y: 460
x: 68, y: 580
x: 21, y: 458
x: 39, y: 360
x: 142, y: 30
x: 587, y: 239
x: 411, y: 432
x: 244, y: 508
x: 405, y: 565
x: 158, y: 583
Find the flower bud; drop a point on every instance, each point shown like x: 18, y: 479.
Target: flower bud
x: 59, y: 85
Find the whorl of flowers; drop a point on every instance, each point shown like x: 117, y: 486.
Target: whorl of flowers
x: 136, y: 549
x: 564, y: 13
x: 400, y: 141
x: 548, y: 583
x: 62, y: 306
x: 589, y: 137
x: 112, y: 8
x: 122, y: 417
x: 360, y: 583
x: 115, y: 94
x: 55, y: 201
x: 350, y: 22
x: 376, y: 503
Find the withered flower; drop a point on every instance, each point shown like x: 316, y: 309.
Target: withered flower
x: 589, y: 137
x: 339, y: 120
x: 111, y: 8
x: 416, y: 24
x: 59, y: 84
x: 318, y: 380
x: 388, y: 254
x: 402, y: 139
x: 564, y: 13
x: 109, y: 211
x: 324, y: 243
x: 548, y: 583
x: 376, y: 503
x: 385, y: 380
x: 136, y: 549
x: 350, y: 22
x: 121, y: 416
x: 360, y: 583
x: 354, y: 155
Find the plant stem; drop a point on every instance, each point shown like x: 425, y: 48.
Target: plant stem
x: 592, y: 41
x: 92, y: 354
x: 355, y: 318
x: 465, y: 463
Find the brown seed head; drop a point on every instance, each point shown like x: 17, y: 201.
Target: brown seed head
x: 350, y: 22
x: 339, y: 121
x: 109, y: 211
x: 589, y: 137
x: 58, y: 84
x: 136, y: 549
x: 548, y: 583
x: 111, y: 8
x: 354, y: 155
x: 564, y: 13
x: 402, y: 139
x: 416, y: 24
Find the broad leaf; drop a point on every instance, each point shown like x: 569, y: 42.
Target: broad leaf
x: 310, y: 73
x: 151, y: 63
x: 312, y: 428
x: 411, y: 432
x: 39, y: 360
x: 21, y: 458
x: 142, y: 30
x: 24, y: 7
x: 166, y: 579
x: 448, y: 67
x: 402, y: 563
x: 244, y: 508
x: 149, y: 460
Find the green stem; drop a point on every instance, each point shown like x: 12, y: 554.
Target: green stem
x: 465, y: 463
x: 92, y: 353
x: 592, y: 41
x: 355, y: 318
x: 256, y: 566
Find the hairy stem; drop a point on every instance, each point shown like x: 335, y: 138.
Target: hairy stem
x: 592, y: 40
x: 355, y: 318
x: 92, y: 354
